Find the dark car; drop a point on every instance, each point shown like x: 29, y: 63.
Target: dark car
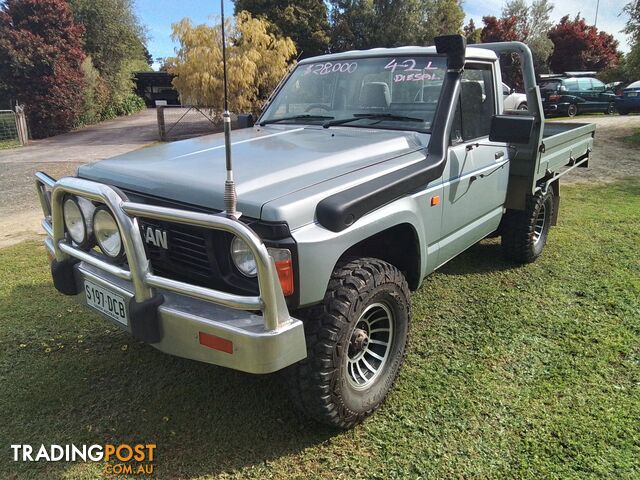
x: 629, y: 100
x: 572, y: 93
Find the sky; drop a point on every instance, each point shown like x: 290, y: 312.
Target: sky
x: 158, y: 15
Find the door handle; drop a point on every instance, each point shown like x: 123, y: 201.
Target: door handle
x: 499, y: 155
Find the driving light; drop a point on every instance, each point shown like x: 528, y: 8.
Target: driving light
x: 243, y: 258
x: 77, y: 213
x: 107, y: 233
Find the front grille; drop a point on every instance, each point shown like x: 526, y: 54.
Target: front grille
x: 195, y: 255
x: 201, y: 256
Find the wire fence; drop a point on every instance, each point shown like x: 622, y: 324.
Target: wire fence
x: 8, y: 129
x: 181, y: 122
x: 13, y: 128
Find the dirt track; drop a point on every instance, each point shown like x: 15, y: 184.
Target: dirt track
x: 20, y: 215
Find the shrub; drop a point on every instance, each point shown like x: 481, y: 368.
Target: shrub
x: 40, y: 62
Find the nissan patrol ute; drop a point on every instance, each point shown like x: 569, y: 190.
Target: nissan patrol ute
x: 366, y: 171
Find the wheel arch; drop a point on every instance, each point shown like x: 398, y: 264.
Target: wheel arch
x: 398, y: 245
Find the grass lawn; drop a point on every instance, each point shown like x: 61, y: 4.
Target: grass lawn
x: 529, y: 372
x: 4, y: 144
x: 634, y: 138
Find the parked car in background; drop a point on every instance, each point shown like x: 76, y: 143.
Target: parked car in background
x: 629, y: 100
x: 572, y: 93
x: 513, y: 100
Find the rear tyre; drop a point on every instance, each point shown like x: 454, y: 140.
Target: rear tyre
x: 356, y: 342
x: 524, y: 233
x: 611, y: 109
x: 572, y: 110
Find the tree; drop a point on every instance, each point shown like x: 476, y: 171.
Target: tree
x: 388, y: 23
x: 440, y: 17
x: 472, y: 33
x: 115, y: 40
x: 40, y: 62
x: 632, y: 60
x: 532, y: 26
x: 504, y: 30
x: 256, y: 61
x: 305, y: 21
x: 578, y: 46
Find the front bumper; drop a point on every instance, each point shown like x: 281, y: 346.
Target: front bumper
x: 173, y: 316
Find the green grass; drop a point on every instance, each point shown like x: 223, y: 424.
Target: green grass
x: 513, y: 372
x: 5, y: 144
x: 634, y: 138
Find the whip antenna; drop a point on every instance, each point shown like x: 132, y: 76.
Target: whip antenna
x: 230, y: 197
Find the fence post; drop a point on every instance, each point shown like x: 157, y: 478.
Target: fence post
x: 162, y: 133
x: 21, y: 126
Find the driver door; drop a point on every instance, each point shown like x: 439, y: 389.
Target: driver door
x: 476, y: 175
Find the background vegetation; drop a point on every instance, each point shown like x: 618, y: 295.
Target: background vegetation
x: 512, y: 372
x: 70, y: 63
x: 256, y: 61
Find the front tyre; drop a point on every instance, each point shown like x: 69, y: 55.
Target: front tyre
x: 524, y: 233
x: 356, y: 341
x: 611, y: 109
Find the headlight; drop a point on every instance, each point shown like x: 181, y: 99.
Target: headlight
x: 107, y: 233
x: 78, y: 214
x: 243, y: 258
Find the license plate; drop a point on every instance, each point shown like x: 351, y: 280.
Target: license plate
x: 632, y: 94
x: 105, y: 301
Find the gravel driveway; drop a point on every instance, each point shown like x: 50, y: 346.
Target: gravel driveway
x: 20, y: 214
x: 59, y: 156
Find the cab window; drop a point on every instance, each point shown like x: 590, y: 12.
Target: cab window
x: 476, y: 104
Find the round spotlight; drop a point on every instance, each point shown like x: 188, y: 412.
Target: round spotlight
x: 107, y: 233
x: 74, y: 221
x: 243, y: 258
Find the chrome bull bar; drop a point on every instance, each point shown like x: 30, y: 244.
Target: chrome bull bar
x: 51, y: 193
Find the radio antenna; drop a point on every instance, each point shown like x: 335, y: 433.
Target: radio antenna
x: 230, y: 196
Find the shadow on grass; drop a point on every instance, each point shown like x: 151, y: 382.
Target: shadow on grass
x: 483, y: 257
x: 78, y: 379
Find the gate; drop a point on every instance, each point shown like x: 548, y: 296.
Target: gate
x: 13, y: 128
x: 179, y: 122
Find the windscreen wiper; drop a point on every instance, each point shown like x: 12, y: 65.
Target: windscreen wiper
x: 372, y: 116
x: 296, y: 117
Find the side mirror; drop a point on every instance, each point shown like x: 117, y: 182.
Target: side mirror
x: 511, y: 128
x: 512, y: 91
x: 245, y: 120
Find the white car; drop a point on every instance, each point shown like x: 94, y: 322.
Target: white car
x: 513, y: 100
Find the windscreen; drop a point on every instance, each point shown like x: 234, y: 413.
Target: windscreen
x: 394, y: 92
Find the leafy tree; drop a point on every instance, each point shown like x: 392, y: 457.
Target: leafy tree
x: 256, y: 61
x: 578, y: 46
x: 473, y: 34
x: 40, y: 62
x: 115, y: 40
x: 632, y: 60
x: 440, y: 17
x: 504, y: 30
x: 305, y: 21
x: 532, y: 26
x: 388, y: 23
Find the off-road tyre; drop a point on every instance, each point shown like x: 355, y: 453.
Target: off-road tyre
x: 524, y: 233
x: 320, y: 385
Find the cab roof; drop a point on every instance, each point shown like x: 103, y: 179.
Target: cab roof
x: 474, y: 53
